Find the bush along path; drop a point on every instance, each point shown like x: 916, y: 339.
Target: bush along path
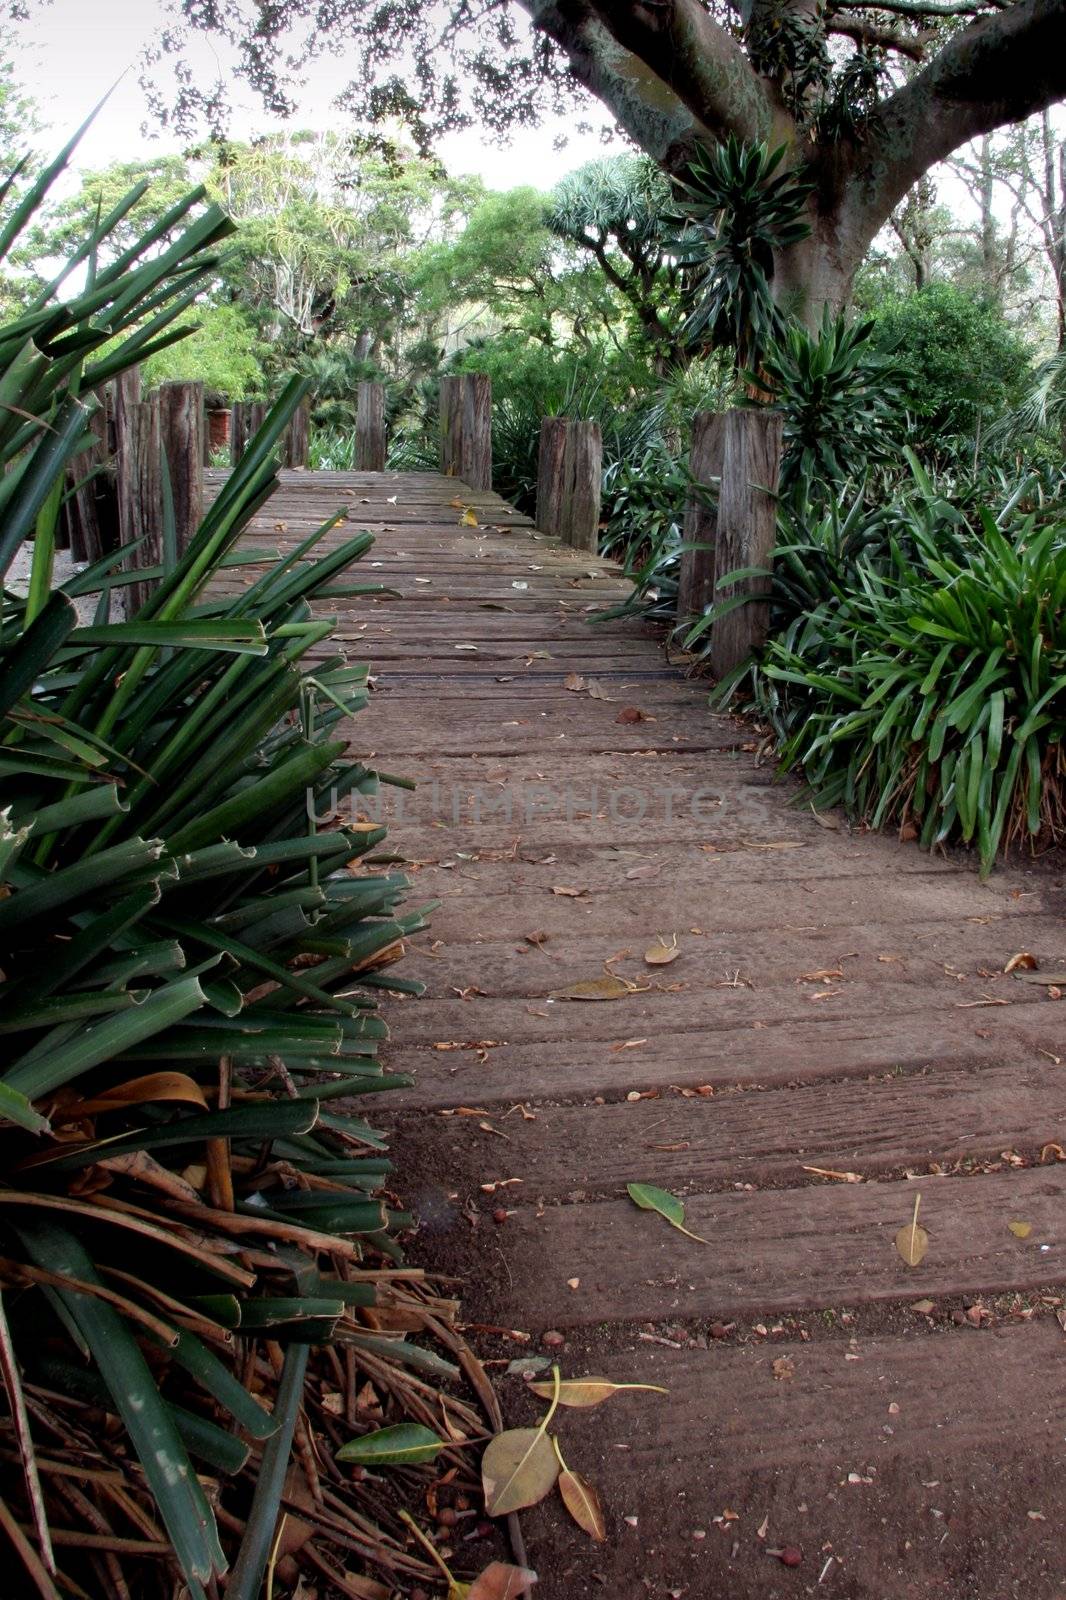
x: 712, y: 1096
x: 203, y: 1300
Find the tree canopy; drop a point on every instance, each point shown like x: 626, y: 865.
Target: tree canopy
x: 865, y: 97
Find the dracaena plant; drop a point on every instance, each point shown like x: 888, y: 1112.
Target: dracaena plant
x: 188, y: 967
x: 738, y: 210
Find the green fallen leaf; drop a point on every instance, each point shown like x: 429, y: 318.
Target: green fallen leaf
x: 649, y: 1198
x: 405, y: 1445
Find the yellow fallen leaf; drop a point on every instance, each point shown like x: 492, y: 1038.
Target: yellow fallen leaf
x: 1020, y: 1230
x: 911, y: 1241
x: 662, y: 952
x: 606, y: 988
x: 468, y: 519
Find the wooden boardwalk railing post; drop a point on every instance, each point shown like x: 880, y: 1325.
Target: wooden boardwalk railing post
x: 747, y: 516
x: 246, y: 419
x: 88, y: 536
x: 466, y: 429
x: 181, y: 426
x: 140, y: 489
x: 238, y: 430
x: 695, y: 586
x: 581, y: 495
x: 296, y: 440
x: 369, y: 454
x: 551, y: 475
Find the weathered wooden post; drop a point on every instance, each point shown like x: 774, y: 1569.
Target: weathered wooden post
x: 580, y: 520
x: 569, y: 481
x: 551, y: 474
x: 369, y: 455
x: 181, y: 425
x: 296, y: 440
x: 466, y: 429
x: 246, y: 418
x: 747, y: 516
x: 88, y: 538
x: 238, y: 431
x: 695, y: 585
x: 140, y: 490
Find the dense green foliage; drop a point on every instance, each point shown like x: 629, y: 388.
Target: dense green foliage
x: 189, y: 960
x: 918, y: 674
x: 961, y: 365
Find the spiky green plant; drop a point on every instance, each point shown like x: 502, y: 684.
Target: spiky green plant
x: 189, y: 959
x: 739, y: 210
x: 931, y: 687
x: 839, y: 397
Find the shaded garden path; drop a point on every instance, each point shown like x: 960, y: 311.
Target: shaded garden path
x: 838, y: 1002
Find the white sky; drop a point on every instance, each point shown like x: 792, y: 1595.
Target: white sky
x: 71, y: 53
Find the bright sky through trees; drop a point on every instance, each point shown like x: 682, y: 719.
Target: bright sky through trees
x: 70, y: 54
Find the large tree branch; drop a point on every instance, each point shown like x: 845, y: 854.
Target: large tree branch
x: 997, y: 70
x: 671, y: 76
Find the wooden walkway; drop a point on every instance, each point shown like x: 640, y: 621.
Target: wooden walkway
x: 837, y: 1002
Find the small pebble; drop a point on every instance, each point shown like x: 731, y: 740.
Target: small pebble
x: 552, y: 1339
x: 791, y: 1555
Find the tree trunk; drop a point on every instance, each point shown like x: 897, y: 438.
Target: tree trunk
x: 816, y: 272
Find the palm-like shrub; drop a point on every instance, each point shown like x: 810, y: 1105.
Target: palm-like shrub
x: 738, y: 210
x: 188, y: 957
x: 839, y: 398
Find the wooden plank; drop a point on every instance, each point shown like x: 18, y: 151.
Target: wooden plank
x: 838, y: 1047
x: 746, y: 532
x: 695, y: 586
x: 781, y: 1250
x: 874, y: 1127
x: 896, y: 1473
x: 370, y: 427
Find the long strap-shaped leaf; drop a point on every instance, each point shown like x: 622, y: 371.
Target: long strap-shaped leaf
x: 254, y: 1552
x: 182, y: 1503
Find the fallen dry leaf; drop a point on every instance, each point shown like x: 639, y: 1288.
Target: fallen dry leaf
x: 783, y: 1368
x: 606, y: 988
x: 564, y: 889
x: 500, y: 1581
x: 583, y: 1393
x: 1024, y: 961
x: 1020, y: 1230
x: 911, y: 1241
x: 519, y: 1468
x: 663, y: 951
x: 828, y: 1172
x: 583, y: 1503
x: 632, y: 714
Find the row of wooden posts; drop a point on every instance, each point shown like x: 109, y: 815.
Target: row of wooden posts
x: 729, y: 519
x: 730, y: 515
